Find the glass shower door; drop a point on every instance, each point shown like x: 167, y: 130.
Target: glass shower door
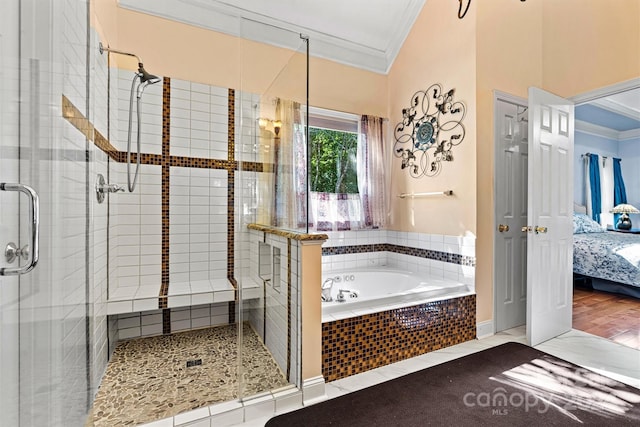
x: 44, y: 323
x: 9, y: 212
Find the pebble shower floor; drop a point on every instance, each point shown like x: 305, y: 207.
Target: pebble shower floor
x: 148, y: 379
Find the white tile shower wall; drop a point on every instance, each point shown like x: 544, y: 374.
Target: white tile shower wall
x: 98, y: 115
x: 275, y: 307
x: 199, y: 120
x: 74, y: 53
x: 198, y: 232
x: 245, y: 181
x: 138, y: 230
x: 296, y: 285
x: 247, y: 126
x: 462, y: 245
x: 151, y: 115
x: 149, y: 323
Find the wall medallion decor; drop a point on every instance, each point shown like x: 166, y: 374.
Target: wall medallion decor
x: 429, y: 130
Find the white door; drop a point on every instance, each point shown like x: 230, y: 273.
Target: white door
x: 510, y: 267
x: 550, y: 202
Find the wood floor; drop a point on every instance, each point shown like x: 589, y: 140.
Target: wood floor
x: 612, y: 316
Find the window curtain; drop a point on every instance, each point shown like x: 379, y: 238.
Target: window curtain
x: 619, y: 190
x: 372, y: 183
x: 335, y: 211
x: 606, y: 189
x: 290, y: 168
x: 592, y: 179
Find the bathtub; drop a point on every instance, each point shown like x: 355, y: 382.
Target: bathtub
x: 375, y: 290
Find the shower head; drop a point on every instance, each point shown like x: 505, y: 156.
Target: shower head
x: 146, y: 77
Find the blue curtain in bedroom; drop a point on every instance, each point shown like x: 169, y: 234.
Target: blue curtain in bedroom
x: 594, y: 177
x: 619, y: 191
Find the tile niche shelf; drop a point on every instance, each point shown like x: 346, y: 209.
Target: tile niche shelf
x: 130, y: 299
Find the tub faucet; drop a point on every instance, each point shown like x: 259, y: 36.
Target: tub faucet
x: 326, y: 290
x: 341, y: 295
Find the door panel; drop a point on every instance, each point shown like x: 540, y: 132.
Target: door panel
x: 9, y: 212
x: 43, y: 313
x: 550, y: 240
x: 511, y: 211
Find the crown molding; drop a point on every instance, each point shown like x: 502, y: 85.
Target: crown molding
x: 604, y: 132
x: 591, y: 129
x: 629, y: 134
x: 236, y: 21
x: 616, y: 107
x: 595, y: 94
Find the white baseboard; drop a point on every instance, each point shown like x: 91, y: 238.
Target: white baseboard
x: 313, y: 390
x: 484, y: 329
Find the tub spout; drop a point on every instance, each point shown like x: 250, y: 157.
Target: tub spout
x: 326, y: 290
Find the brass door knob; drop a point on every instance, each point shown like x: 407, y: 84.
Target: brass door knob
x: 502, y: 228
x: 526, y: 229
x: 540, y: 229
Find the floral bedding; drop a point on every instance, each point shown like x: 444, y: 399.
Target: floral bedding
x: 610, y: 255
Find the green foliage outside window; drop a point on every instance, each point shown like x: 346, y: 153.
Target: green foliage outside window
x: 333, y: 161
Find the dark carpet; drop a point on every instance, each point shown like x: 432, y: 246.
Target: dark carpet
x: 511, y: 385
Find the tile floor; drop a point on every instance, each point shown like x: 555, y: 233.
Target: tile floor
x: 148, y: 379
x: 598, y: 354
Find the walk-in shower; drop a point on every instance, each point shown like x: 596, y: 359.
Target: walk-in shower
x: 140, y: 81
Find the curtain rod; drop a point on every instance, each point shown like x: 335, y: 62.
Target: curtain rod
x: 434, y: 193
x: 604, y: 157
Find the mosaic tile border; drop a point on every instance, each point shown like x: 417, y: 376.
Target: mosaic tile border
x: 358, y: 344
x: 163, y: 300
x: 231, y: 201
x: 404, y: 250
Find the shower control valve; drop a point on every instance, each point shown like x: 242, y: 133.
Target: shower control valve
x: 103, y: 188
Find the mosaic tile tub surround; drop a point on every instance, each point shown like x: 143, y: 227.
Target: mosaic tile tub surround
x: 358, y: 344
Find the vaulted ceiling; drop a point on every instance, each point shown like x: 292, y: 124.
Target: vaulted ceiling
x: 362, y: 33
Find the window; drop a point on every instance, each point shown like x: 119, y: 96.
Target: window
x: 333, y: 161
x: 333, y: 175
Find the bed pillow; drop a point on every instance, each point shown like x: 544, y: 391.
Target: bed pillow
x: 583, y: 224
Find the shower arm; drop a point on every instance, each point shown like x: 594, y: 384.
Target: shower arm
x: 103, y: 49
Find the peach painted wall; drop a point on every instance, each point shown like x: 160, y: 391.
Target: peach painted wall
x: 191, y: 53
x: 508, y: 59
x: 439, y: 49
x: 588, y: 44
x: 566, y: 47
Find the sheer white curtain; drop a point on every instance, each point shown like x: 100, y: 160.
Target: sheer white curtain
x: 290, y: 168
x: 372, y: 179
x: 606, y: 191
x: 335, y: 211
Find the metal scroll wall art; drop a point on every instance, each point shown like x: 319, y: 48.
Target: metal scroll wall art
x: 430, y: 128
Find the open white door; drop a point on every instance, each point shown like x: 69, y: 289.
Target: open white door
x: 550, y: 213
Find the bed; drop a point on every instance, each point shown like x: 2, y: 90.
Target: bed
x: 610, y: 258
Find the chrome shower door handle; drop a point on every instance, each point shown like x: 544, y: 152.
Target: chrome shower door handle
x: 34, y: 215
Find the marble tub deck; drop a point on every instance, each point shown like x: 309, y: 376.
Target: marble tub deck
x: 148, y: 379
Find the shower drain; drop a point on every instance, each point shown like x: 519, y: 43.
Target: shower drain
x: 194, y: 362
